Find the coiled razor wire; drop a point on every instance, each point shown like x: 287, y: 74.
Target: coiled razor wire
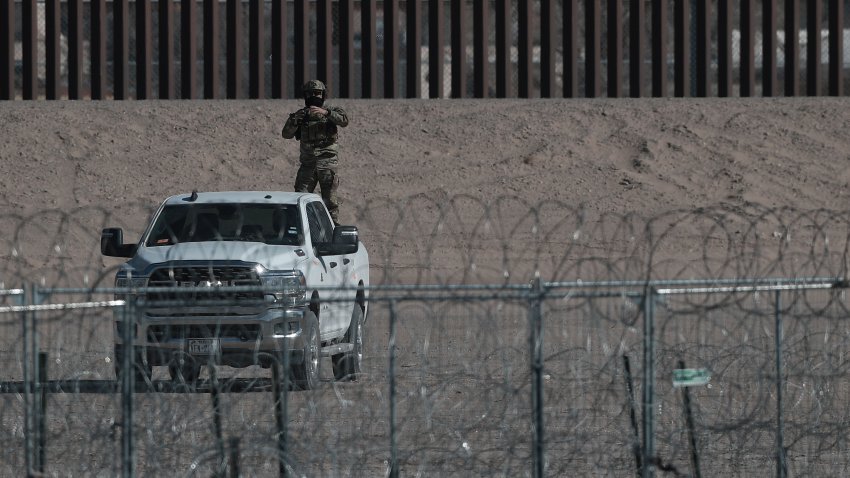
x: 451, y: 278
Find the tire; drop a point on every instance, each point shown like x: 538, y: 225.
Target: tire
x: 142, y: 370
x: 348, y: 365
x: 184, y: 369
x: 306, y: 374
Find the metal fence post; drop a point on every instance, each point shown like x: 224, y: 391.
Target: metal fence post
x: 234, y: 458
x: 38, y: 405
x: 630, y: 390
x: 536, y: 345
x: 41, y: 410
x: 649, y: 382
x: 393, y: 471
x: 219, y: 435
x: 280, y: 390
x: 689, y: 422
x: 781, y: 465
x: 27, y: 363
x: 127, y: 382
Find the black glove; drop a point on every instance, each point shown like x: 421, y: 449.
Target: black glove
x: 297, y: 118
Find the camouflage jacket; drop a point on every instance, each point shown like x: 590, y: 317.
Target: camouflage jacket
x: 317, y: 134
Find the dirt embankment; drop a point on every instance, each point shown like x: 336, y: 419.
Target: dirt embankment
x: 443, y: 190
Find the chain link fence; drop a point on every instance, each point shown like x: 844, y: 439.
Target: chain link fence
x: 703, y: 342
x: 481, y: 380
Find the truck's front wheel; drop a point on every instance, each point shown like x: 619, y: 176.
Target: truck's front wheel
x: 184, y: 369
x: 306, y: 373
x: 347, y: 366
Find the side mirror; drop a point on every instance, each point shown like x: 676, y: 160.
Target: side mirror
x: 346, y: 240
x: 112, y: 243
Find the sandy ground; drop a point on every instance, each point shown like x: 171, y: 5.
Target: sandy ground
x: 442, y: 190
x: 448, y: 191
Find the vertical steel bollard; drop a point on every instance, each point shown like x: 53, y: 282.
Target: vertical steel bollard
x: 128, y: 364
x: 692, y: 38
x: 648, y: 382
x: 393, y: 471
x: 781, y: 465
x: 535, y: 319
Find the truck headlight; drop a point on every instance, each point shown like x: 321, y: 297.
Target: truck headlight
x: 286, y: 328
x: 124, y: 282
x: 134, y: 283
x: 287, y: 287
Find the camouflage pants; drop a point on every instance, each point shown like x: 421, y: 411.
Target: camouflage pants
x: 328, y: 181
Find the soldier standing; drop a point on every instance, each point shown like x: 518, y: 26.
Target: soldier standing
x: 315, y: 126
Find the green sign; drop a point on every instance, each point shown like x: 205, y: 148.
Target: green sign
x: 690, y: 377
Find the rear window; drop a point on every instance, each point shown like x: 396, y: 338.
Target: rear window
x: 273, y: 224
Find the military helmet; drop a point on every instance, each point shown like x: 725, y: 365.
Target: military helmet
x: 314, y: 85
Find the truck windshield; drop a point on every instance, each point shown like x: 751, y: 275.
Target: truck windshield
x: 275, y: 224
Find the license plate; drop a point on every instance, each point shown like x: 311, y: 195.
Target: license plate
x: 203, y: 346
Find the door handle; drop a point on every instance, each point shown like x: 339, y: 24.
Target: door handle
x: 346, y: 260
x: 333, y: 264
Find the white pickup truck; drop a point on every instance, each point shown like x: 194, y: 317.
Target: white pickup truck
x: 236, y: 278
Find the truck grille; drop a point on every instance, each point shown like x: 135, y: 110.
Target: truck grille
x: 160, y: 333
x: 214, y: 276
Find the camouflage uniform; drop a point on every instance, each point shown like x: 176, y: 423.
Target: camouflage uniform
x: 319, y: 149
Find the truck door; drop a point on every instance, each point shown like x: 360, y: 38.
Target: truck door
x: 335, y: 314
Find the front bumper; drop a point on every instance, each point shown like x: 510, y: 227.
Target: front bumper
x: 233, y: 340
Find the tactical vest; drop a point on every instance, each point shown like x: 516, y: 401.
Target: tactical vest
x: 318, y: 131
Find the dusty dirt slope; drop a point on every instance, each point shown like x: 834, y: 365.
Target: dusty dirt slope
x: 459, y: 191
x: 419, y: 176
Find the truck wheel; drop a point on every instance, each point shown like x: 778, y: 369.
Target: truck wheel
x: 347, y: 366
x: 306, y: 374
x: 142, y: 370
x: 184, y: 369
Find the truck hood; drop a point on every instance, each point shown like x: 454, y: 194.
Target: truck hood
x: 270, y: 257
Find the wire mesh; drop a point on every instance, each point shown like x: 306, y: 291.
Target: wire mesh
x: 449, y: 375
